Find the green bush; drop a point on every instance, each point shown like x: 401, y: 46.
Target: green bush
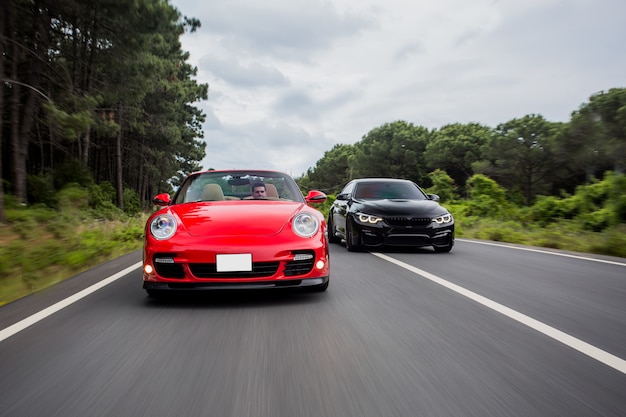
x: 596, y: 221
x: 443, y: 186
x: 73, y: 198
x: 132, y: 202
x: 41, y: 190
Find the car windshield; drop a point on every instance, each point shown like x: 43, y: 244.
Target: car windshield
x: 237, y: 185
x: 388, y: 190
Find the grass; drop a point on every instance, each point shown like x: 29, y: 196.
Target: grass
x: 36, y: 253
x: 564, y: 235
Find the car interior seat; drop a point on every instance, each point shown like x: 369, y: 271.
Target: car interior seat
x: 212, y: 192
x: 271, y: 191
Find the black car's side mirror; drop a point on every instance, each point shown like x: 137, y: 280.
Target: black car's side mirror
x: 343, y: 197
x: 433, y: 197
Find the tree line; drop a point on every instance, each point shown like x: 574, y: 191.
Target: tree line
x: 96, y: 92
x: 528, y: 156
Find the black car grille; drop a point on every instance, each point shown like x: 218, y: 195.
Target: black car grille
x: 259, y: 269
x: 407, y: 221
x: 300, y: 266
x: 170, y: 270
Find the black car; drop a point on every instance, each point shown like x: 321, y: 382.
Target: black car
x: 372, y: 212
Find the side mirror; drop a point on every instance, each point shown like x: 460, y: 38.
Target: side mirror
x: 162, y: 199
x: 343, y: 197
x: 315, y: 197
x: 433, y: 197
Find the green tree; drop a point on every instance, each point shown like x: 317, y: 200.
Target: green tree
x: 594, y: 140
x: 518, y: 156
x: 331, y: 172
x: 392, y: 150
x: 455, y: 147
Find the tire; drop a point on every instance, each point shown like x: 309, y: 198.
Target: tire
x: 352, y: 241
x: 332, y: 237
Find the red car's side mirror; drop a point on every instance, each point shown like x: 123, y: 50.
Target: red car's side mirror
x: 315, y: 197
x: 162, y: 199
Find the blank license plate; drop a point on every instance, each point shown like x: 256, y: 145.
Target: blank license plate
x: 234, y: 262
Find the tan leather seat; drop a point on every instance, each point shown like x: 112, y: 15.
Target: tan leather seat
x: 271, y: 191
x: 212, y: 192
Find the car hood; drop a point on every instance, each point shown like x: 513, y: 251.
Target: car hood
x: 399, y: 207
x: 236, y: 219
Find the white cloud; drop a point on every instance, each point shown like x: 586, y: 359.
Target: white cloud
x: 290, y: 78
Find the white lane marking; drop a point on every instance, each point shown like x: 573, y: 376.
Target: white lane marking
x: 613, y: 361
x: 29, y: 321
x: 567, y: 255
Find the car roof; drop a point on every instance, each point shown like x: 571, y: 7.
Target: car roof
x: 247, y: 171
x: 380, y: 180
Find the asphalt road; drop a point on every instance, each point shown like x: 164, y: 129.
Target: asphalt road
x: 485, y: 330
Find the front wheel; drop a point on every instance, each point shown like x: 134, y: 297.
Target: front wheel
x: 332, y: 237
x: 352, y: 238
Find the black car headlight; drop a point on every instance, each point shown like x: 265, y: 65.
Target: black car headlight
x: 368, y: 218
x: 446, y: 218
x: 163, y: 227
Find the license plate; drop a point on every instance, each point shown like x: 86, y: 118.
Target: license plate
x: 234, y: 262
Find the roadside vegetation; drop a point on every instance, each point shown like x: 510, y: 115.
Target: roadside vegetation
x: 42, y: 245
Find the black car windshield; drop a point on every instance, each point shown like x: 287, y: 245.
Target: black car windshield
x: 237, y: 185
x: 388, y: 190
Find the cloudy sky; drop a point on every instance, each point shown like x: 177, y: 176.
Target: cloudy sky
x: 289, y: 79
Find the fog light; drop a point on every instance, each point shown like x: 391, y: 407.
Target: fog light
x: 320, y: 264
x: 148, y: 269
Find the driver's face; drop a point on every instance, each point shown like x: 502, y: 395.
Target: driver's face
x: 258, y: 192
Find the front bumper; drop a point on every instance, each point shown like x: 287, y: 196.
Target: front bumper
x: 203, y: 286
x: 414, y: 237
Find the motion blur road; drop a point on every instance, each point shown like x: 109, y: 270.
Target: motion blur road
x: 486, y: 330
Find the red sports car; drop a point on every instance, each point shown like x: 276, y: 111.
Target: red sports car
x: 236, y: 229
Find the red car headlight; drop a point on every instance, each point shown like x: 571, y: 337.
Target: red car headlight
x: 163, y: 226
x: 305, y: 225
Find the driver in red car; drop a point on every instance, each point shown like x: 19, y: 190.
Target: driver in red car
x: 258, y: 190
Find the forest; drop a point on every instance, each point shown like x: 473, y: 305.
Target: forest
x: 96, y: 92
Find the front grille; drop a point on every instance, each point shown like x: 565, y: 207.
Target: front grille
x: 408, y: 221
x: 408, y: 240
x: 259, y: 269
x: 301, y: 266
x: 170, y: 270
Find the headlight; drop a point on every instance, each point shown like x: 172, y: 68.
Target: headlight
x: 305, y: 225
x: 366, y: 218
x: 163, y: 227
x: 446, y: 218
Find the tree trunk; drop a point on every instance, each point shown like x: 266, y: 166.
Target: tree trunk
x: 17, y: 154
x: 2, y: 91
x: 118, y: 165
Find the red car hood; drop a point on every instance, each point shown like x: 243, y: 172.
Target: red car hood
x: 236, y: 218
